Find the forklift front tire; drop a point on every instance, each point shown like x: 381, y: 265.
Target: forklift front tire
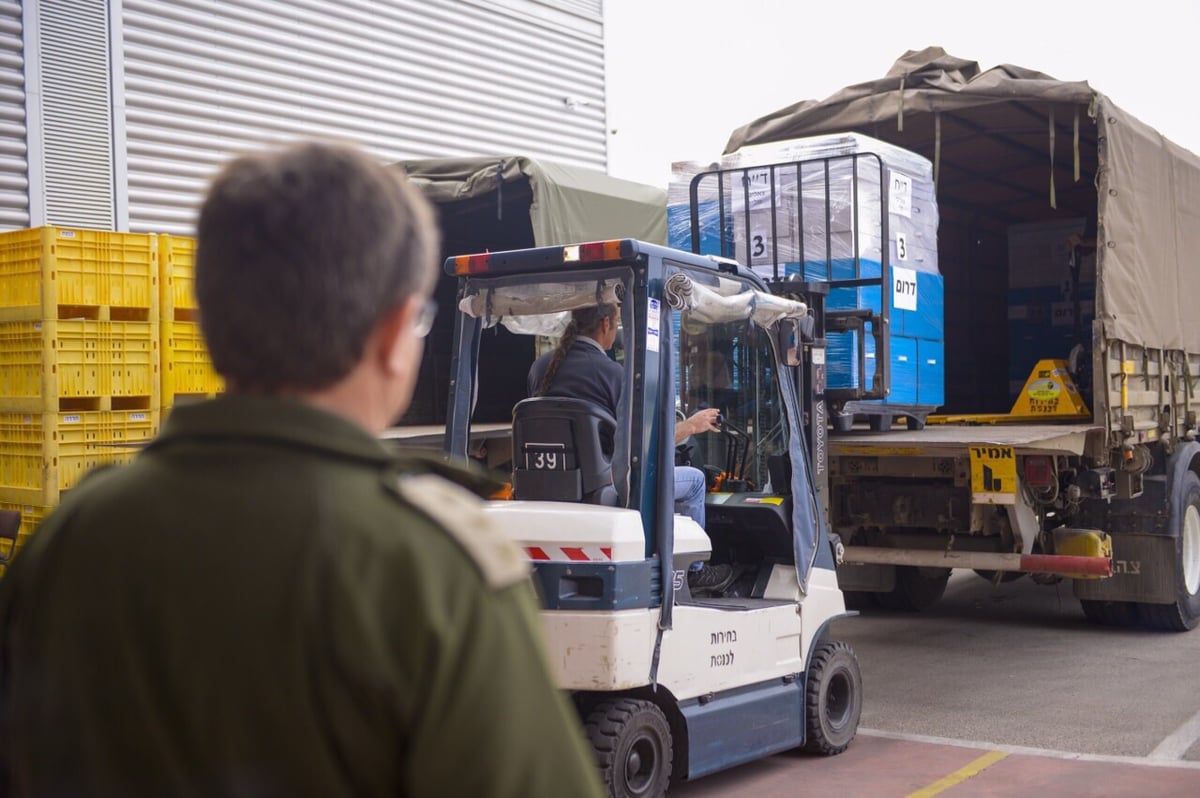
x: 833, y: 699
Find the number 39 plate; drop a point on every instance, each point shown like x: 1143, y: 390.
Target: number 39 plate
x: 545, y: 457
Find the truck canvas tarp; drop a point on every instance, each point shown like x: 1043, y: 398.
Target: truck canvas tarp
x: 1014, y: 143
x: 515, y: 202
x: 565, y: 204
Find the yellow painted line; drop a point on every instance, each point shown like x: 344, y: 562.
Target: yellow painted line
x: 959, y: 776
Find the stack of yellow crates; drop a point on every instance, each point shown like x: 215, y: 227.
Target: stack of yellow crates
x: 187, y: 369
x: 79, y: 359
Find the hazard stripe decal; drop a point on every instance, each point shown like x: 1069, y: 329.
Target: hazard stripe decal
x: 569, y: 553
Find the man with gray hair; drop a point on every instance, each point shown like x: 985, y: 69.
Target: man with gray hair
x: 268, y: 601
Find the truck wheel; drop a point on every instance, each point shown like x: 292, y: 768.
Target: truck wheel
x: 1184, y: 614
x: 632, y: 744
x: 916, y: 588
x: 833, y: 699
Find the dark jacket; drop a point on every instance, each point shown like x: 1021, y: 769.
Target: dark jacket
x: 586, y: 373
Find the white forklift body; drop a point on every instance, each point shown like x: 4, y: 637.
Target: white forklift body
x: 708, y: 649
x: 671, y: 684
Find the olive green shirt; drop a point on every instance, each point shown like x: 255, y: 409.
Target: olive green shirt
x: 268, y: 602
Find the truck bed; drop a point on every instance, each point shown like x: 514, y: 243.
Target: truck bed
x: 432, y: 435
x: 940, y: 440
x: 952, y: 440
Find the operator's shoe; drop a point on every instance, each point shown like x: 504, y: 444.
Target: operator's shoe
x: 711, y: 578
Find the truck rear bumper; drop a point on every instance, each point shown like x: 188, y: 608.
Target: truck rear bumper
x: 1060, y: 564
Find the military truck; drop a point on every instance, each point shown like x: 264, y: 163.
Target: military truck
x: 1066, y: 447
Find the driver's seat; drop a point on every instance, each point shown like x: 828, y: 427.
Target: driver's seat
x: 562, y: 451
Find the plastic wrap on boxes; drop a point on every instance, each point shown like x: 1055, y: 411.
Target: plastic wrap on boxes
x: 832, y: 145
x: 799, y: 218
x: 679, y: 212
x: 852, y: 189
x: 931, y: 373
x: 814, y: 208
x: 917, y: 368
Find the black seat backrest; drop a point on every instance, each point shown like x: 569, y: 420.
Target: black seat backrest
x: 10, y: 528
x: 562, y: 451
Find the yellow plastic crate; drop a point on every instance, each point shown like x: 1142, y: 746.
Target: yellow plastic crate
x: 177, y: 278
x: 187, y: 368
x: 53, y: 272
x: 44, y: 454
x: 55, y: 364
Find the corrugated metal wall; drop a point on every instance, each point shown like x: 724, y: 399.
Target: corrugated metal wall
x: 406, y: 78
x: 14, y: 168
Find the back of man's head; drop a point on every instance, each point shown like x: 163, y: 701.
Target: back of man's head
x: 300, y: 253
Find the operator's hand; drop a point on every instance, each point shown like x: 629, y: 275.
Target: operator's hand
x: 700, y: 421
x: 704, y: 421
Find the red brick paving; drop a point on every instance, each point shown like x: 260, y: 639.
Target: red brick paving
x: 881, y: 767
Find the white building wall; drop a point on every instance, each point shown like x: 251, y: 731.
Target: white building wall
x: 115, y: 113
x: 405, y: 78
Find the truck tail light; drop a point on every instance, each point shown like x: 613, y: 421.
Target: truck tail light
x: 1039, y: 472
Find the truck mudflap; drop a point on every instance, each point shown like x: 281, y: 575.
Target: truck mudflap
x: 1067, y: 565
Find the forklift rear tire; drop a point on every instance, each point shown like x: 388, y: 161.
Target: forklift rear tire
x: 833, y: 699
x: 632, y: 744
x: 1184, y: 614
x: 917, y: 589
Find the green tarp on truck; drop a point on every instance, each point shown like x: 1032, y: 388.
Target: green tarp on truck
x: 1006, y: 142
x: 515, y: 202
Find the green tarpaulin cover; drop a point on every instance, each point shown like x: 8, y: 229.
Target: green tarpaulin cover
x: 1147, y: 188
x: 570, y: 204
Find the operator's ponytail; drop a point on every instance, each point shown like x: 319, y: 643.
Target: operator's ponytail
x: 585, y: 321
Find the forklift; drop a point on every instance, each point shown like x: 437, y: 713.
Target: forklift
x: 671, y: 685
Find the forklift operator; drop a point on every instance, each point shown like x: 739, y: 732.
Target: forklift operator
x: 579, y: 367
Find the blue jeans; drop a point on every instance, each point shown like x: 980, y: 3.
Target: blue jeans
x: 690, y: 488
